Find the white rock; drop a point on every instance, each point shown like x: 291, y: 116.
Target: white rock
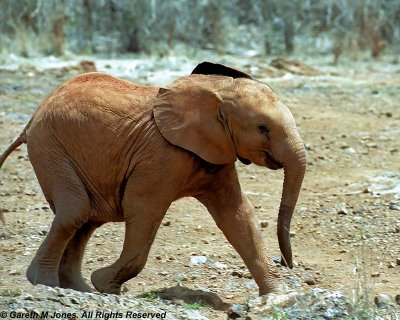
x: 195, y: 260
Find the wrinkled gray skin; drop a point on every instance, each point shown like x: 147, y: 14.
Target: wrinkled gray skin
x: 105, y: 149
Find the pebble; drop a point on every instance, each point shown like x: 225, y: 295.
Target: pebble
x: 195, y: 315
x: 14, y: 273
x: 398, y: 261
x: 264, y: 224
x: 236, y: 311
x: 311, y: 281
x: 237, y: 273
x: 382, y: 300
x: 350, y: 150
x: 397, y: 299
x: 195, y: 260
x: 167, y: 223
x: 394, y: 206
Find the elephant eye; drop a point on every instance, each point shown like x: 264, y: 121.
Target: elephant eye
x: 263, y: 129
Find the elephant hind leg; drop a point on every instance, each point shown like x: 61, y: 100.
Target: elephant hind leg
x: 143, y: 216
x: 44, y: 266
x: 70, y: 265
x: 131, y: 261
x: 69, y: 201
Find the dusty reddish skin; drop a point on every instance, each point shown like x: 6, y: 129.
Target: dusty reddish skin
x: 105, y: 149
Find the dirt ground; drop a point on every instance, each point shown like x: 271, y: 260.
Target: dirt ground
x: 346, y: 229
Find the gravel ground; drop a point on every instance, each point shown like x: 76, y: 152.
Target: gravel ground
x: 345, y: 234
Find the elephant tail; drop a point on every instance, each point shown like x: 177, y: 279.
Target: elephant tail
x: 14, y: 145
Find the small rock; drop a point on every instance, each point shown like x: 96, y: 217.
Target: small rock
x: 394, y: 206
x: 382, y: 300
x: 391, y: 265
x: 163, y: 273
x: 125, y: 289
x: 14, y: 273
x: 350, y: 150
x: 167, y: 223
x: 182, y: 277
x: 366, y: 190
x: 342, y: 211
x: 27, y: 296
x: 237, y: 273
x: 195, y: 260
x: 398, y: 261
x: 375, y: 274
x: 195, y: 315
x: 397, y: 299
x: 311, y: 280
x: 29, y: 192
x: 264, y: 224
x: 236, y: 311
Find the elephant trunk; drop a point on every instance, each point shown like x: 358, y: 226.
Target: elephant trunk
x: 294, y: 170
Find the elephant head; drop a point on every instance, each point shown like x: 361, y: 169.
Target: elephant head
x: 229, y: 115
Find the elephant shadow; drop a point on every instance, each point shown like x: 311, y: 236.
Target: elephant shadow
x: 183, y: 295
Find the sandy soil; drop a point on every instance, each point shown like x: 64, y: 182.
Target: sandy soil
x: 346, y: 230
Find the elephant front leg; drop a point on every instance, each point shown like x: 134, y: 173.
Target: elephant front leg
x: 234, y: 216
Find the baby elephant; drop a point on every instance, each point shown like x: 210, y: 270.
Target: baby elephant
x: 106, y: 149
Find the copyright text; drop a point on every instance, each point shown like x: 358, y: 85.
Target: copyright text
x: 82, y: 315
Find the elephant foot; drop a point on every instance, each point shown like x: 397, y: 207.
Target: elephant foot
x: 102, y: 279
x: 39, y: 275
x: 273, y: 287
x: 77, y: 283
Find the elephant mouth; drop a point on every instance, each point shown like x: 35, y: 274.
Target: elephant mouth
x: 271, y: 163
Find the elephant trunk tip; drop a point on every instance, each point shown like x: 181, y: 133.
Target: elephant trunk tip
x: 285, y: 263
x: 284, y: 218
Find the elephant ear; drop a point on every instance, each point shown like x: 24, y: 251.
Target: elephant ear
x: 190, y: 118
x: 208, y: 68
